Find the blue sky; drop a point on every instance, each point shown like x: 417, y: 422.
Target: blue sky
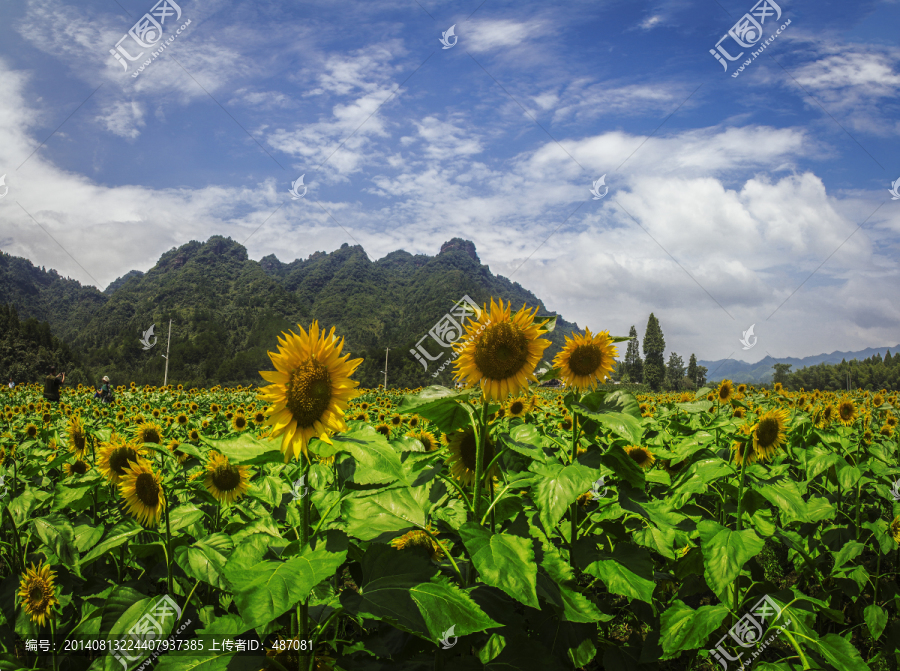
x: 758, y: 199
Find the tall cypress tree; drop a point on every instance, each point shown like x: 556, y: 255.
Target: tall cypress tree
x: 654, y: 348
x: 692, y: 369
x: 633, y: 364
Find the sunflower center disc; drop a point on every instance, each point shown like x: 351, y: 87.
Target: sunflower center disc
x: 119, y: 459
x: 36, y: 594
x: 585, y: 359
x: 151, y: 435
x: 147, y: 490
x: 309, y: 392
x: 226, y: 478
x: 501, y: 351
x: 516, y: 407
x: 80, y: 467
x: 767, y: 433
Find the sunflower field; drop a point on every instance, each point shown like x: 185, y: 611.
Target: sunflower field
x: 501, y: 525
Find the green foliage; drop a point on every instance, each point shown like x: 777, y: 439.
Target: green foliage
x: 633, y: 364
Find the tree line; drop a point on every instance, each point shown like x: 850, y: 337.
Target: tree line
x: 653, y: 370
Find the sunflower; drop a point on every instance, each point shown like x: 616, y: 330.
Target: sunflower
x: 894, y: 530
x: 142, y: 490
x: 725, y: 391
x: 31, y: 431
x: 193, y: 435
x: 777, y: 388
x: 738, y: 413
x: 115, y: 456
x: 396, y: 420
x: 586, y: 359
x: 829, y: 414
x: 181, y: 419
x: 501, y: 351
x: 225, y: 481
x: 239, y: 423
x: 383, y: 429
x: 517, y: 407
x: 770, y: 433
x: 463, y: 447
x: 414, y: 422
x: 846, y: 411
x: 744, y: 449
x: 886, y: 430
x: 259, y: 418
x: 149, y: 432
x: 78, y: 468
x: 177, y: 453
x: 868, y: 437
x: 641, y: 456
x: 214, y: 408
x: 565, y: 424
x: 890, y: 421
x: 421, y: 542
x: 310, y: 388
x: 428, y: 439
x: 362, y: 417
x: 38, y: 593
x: 46, y: 418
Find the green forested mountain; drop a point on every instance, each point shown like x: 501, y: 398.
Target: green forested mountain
x: 228, y: 310
x: 28, y: 349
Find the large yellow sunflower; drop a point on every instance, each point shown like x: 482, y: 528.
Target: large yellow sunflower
x: 77, y: 437
x: 227, y: 482
x: 770, y: 433
x: 463, y: 447
x: 38, y: 593
x: 310, y: 390
x: 149, y: 432
x: 142, y: 490
x: 500, y: 351
x: 725, y: 391
x: 846, y: 411
x: 115, y: 455
x: 586, y: 359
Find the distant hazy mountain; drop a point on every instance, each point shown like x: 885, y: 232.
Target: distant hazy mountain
x: 762, y: 371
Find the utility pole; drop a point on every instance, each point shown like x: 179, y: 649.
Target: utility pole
x: 166, y: 355
x: 386, y: 350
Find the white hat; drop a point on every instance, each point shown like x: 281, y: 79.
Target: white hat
x: 105, y: 379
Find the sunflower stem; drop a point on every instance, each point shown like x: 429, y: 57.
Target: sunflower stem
x: 168, y: 539
x: 303, y: 606
x: 53, y: 639
x: 573, y: 514
x: 479, y: 457
x: 738, y: 526
x: 17, y: 550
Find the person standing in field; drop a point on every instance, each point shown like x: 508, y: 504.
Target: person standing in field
x: 52, y: 383
x: 105, y: 393
x: 12, y: 385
